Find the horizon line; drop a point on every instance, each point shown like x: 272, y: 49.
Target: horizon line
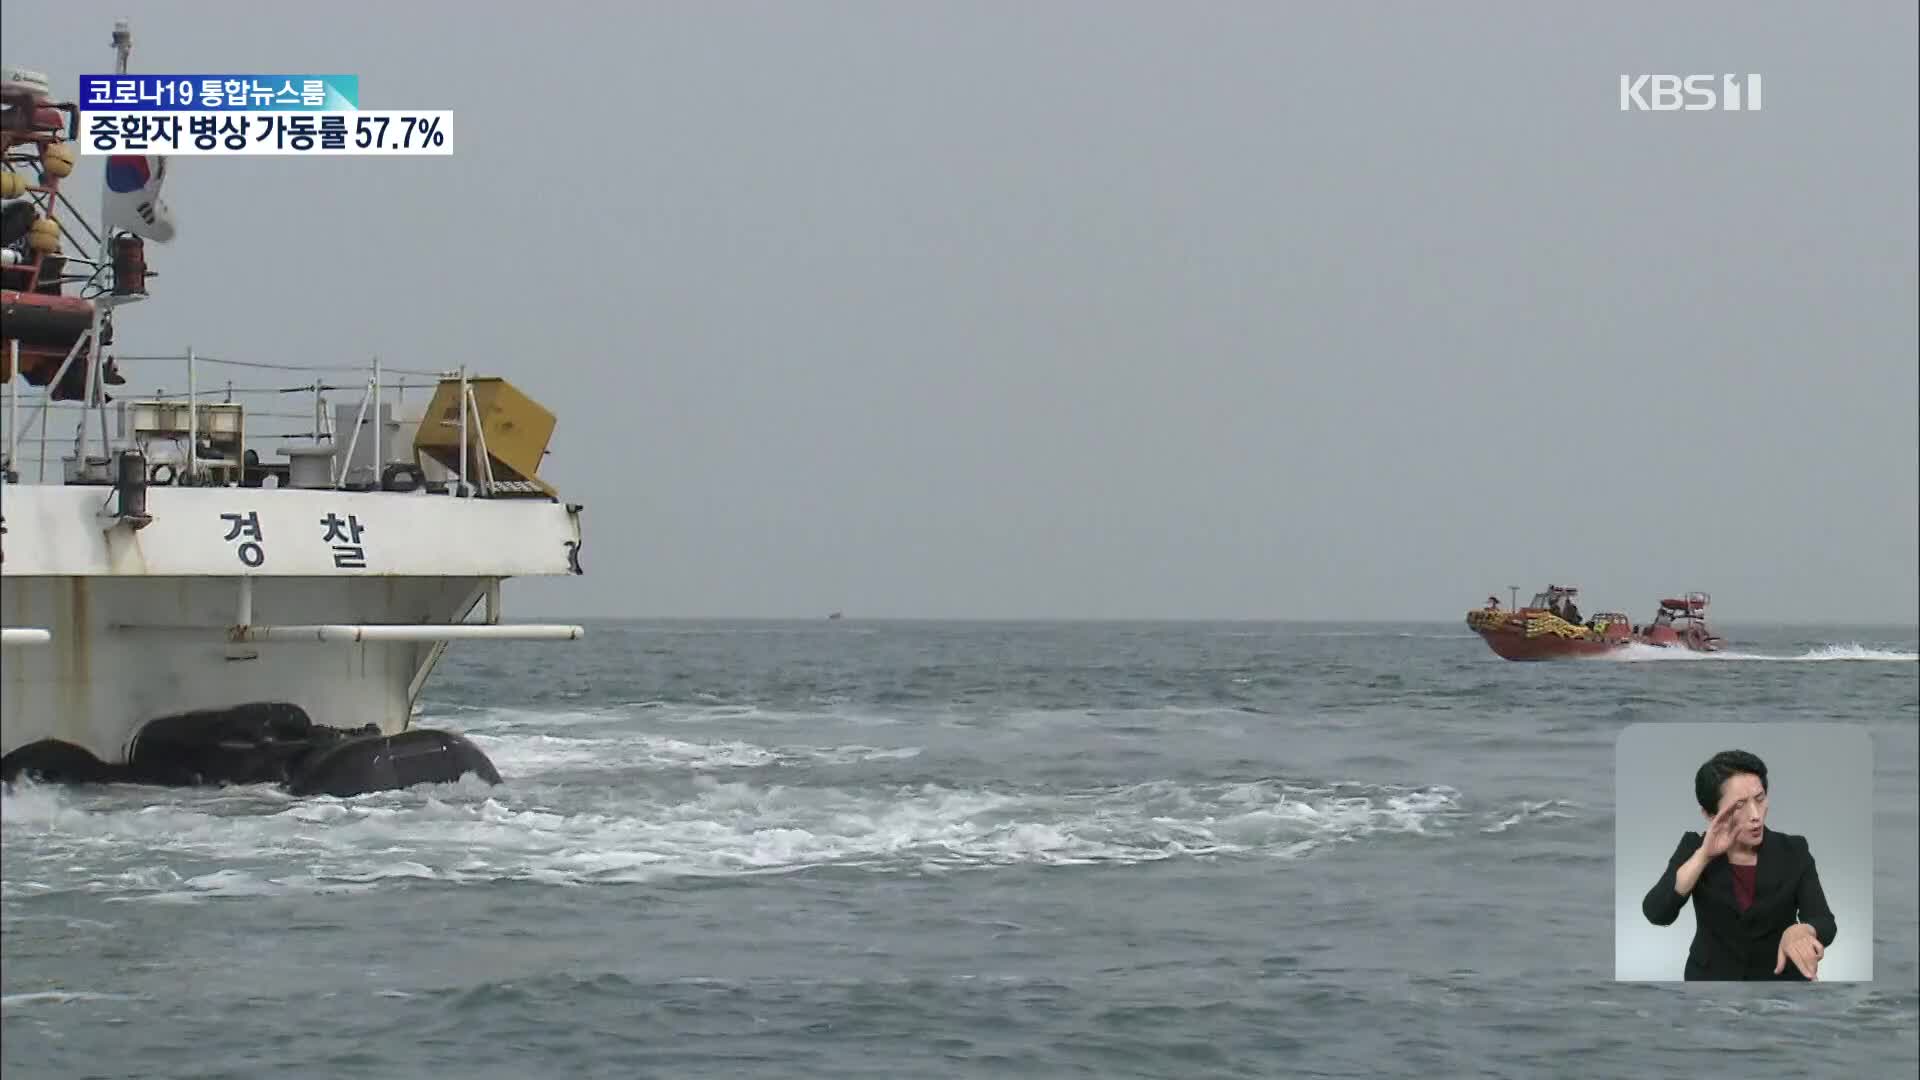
x: 1168, y: 619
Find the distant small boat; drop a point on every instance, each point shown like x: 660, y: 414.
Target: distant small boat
x: 834, y: 617
x: 1540, y: 632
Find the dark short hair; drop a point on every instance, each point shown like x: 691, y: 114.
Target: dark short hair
x: 1720, y: 768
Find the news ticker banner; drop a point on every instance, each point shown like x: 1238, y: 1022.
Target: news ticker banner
x: 189, y: 115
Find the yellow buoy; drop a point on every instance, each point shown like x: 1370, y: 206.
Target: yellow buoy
x: 45, y: 239
x: 12, y: 186
x: 57, y: 158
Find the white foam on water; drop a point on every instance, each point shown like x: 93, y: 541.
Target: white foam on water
x: 1851, y: 651
x: 164, y: 845
x: 522, y: 755
x: 56, y: 997
x: 1551, y: 810
x: 1856, y: 651
x: 625, y: 714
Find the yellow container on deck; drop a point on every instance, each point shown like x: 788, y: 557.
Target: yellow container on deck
x: 516, y: 428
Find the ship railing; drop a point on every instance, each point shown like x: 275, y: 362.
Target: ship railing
x: 379, y: 393
x: 99, y: 285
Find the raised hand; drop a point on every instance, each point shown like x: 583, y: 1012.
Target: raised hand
x: 1720, y: 832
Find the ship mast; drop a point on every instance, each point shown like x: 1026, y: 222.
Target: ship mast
x: 122, y: 45
x: 108, y: 299
x: 104, y: 304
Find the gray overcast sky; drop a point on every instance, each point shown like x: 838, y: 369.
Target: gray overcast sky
x: 1274, y: 310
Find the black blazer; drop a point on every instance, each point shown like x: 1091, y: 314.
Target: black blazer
x: 1732, y: 944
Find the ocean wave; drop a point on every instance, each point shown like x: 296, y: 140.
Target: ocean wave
x: 173, y: 846
x: 533, y: 754
x: 1850, y: 651
x: 11, y: 1002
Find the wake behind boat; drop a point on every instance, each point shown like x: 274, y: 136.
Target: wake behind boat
x: 1550, y: 628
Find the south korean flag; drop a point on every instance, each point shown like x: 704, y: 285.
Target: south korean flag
x: 131, y: 199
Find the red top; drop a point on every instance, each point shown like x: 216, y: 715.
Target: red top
x: 1743, y: 884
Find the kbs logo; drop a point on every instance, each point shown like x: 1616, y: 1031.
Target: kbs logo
x: 1692, y: 93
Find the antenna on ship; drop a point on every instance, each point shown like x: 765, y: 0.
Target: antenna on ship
x: 1514, y: 604
x: 122, y: 45
x: 104, y: 305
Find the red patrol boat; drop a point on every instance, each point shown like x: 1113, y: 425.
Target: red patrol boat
x: 1550, y: 628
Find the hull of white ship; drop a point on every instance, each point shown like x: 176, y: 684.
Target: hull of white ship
x: 337, y: 604
x: 126, y: 651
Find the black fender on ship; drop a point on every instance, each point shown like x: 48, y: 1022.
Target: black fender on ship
x: 257, y: 743
x: 266, y: 742
x: 51, y: 761
x: 376, y: 762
